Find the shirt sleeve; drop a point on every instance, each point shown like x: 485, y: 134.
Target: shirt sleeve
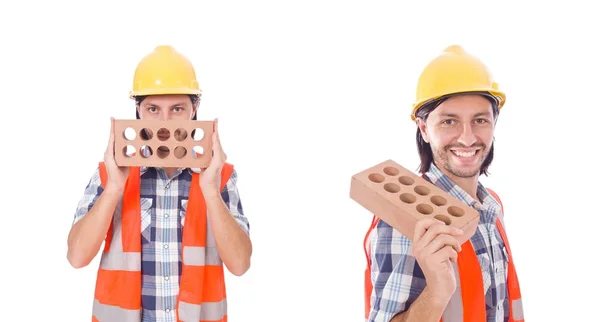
x: 395, y: 274
x: 231, y: 197
x: 92, y: 191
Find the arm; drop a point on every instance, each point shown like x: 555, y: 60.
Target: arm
x: 92, y: 219
x: 425, y: 308
x: 230, y: 226
x: 399, y: 288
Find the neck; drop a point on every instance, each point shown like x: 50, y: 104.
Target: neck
x: 169, y: 172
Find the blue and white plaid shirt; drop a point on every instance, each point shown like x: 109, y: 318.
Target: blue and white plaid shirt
x: 163, y: 206
x: 397, y: 278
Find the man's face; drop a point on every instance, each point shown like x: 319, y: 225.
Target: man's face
x: 460, y: 132
x: 166, y: 107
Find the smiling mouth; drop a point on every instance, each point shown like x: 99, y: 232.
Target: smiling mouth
x: 465, y: 154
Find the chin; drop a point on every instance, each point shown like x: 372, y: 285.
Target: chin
x: 466, y: 173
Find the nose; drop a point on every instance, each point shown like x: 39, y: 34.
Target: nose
x: 164, y: 115
x: 467, y: 138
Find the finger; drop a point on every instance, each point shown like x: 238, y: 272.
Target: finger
x: 213, y: 161
x: 436, y: 229
x: 110, y: 133
x: 422, y: 226
x: 425, y: 225
x: 111, y: 138
x: 215, y: 145
x: 445, y: 254
x: 440, y: 242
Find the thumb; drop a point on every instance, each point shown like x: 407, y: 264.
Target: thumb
x: 111, y: 139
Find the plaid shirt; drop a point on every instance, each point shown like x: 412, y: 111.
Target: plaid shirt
x: 397, y: 278
x: 163, y: 205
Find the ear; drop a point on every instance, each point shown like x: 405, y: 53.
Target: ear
x: 195, y: 108
x: 423, y: 128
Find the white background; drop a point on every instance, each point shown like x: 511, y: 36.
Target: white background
x: 307, y: 93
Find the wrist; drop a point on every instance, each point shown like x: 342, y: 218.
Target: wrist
x: 113, y: 189
x: 211, y: 192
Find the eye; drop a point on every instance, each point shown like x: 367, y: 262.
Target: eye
x: 152, y: 109
x: 178, y: 109
x: 448, y: 122
x: 481, y: 121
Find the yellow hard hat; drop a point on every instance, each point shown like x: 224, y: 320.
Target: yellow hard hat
x: 164, y: 71
x: 455, y: 71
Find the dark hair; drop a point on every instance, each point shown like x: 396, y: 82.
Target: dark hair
x: 424, y: 148
x: 140, y: 99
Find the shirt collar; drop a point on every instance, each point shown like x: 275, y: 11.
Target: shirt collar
x: 441, y: 180
x: 143, y: 170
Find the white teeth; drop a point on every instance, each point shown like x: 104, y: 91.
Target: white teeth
x: 464, y: 154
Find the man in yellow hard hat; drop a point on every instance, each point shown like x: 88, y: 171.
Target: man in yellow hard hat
x: 167, y: 231
x: 433, y: 277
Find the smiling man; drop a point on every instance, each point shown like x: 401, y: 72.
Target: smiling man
x: 168, y: 232
x: 433, y: 277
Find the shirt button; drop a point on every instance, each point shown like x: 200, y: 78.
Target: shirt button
x: 166, y: 278
x: 167, y: 310
x: 166, y: 215
x: 166, y: 246
x: 168, y: 185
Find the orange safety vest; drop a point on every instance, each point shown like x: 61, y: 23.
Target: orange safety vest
x: 468, y: 305
x: 118, y: 294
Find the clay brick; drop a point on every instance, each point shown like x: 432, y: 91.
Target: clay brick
x: 188, y: 143
x: 401, y: 198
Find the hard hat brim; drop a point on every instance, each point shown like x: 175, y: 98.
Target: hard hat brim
x: 166, y: 91
x: 498, y: 95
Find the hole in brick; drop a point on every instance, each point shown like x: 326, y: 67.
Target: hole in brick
x: 455, y: 211
x: 438, y: 200
x: 391, y: 171
x: 422, y: 190
x: 443, y: 218
x: 146, y: 134
x: 408, y: 198
x: 162, y: 152
x: 180, y: 134
x: 163, y: 134
x: 146, y: 151
x: 180, y: 152
x: 128, y: 151
x: 129, y: 134
x: 391, y: 187
x: 376, y: 177
x: 407, y: 181
x: 197, y: 151
x: 197, y: 134
x: 425, y: 209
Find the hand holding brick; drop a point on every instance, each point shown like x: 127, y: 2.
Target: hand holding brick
x: 401, y: 198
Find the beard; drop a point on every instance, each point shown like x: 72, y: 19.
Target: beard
x: 442, y: 157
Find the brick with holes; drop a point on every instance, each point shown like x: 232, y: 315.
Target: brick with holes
x: 169, y: 143
x: 400, y: 198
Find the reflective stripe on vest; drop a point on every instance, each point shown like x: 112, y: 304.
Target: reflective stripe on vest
x: 468, y: 296
x: 202, y: 295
